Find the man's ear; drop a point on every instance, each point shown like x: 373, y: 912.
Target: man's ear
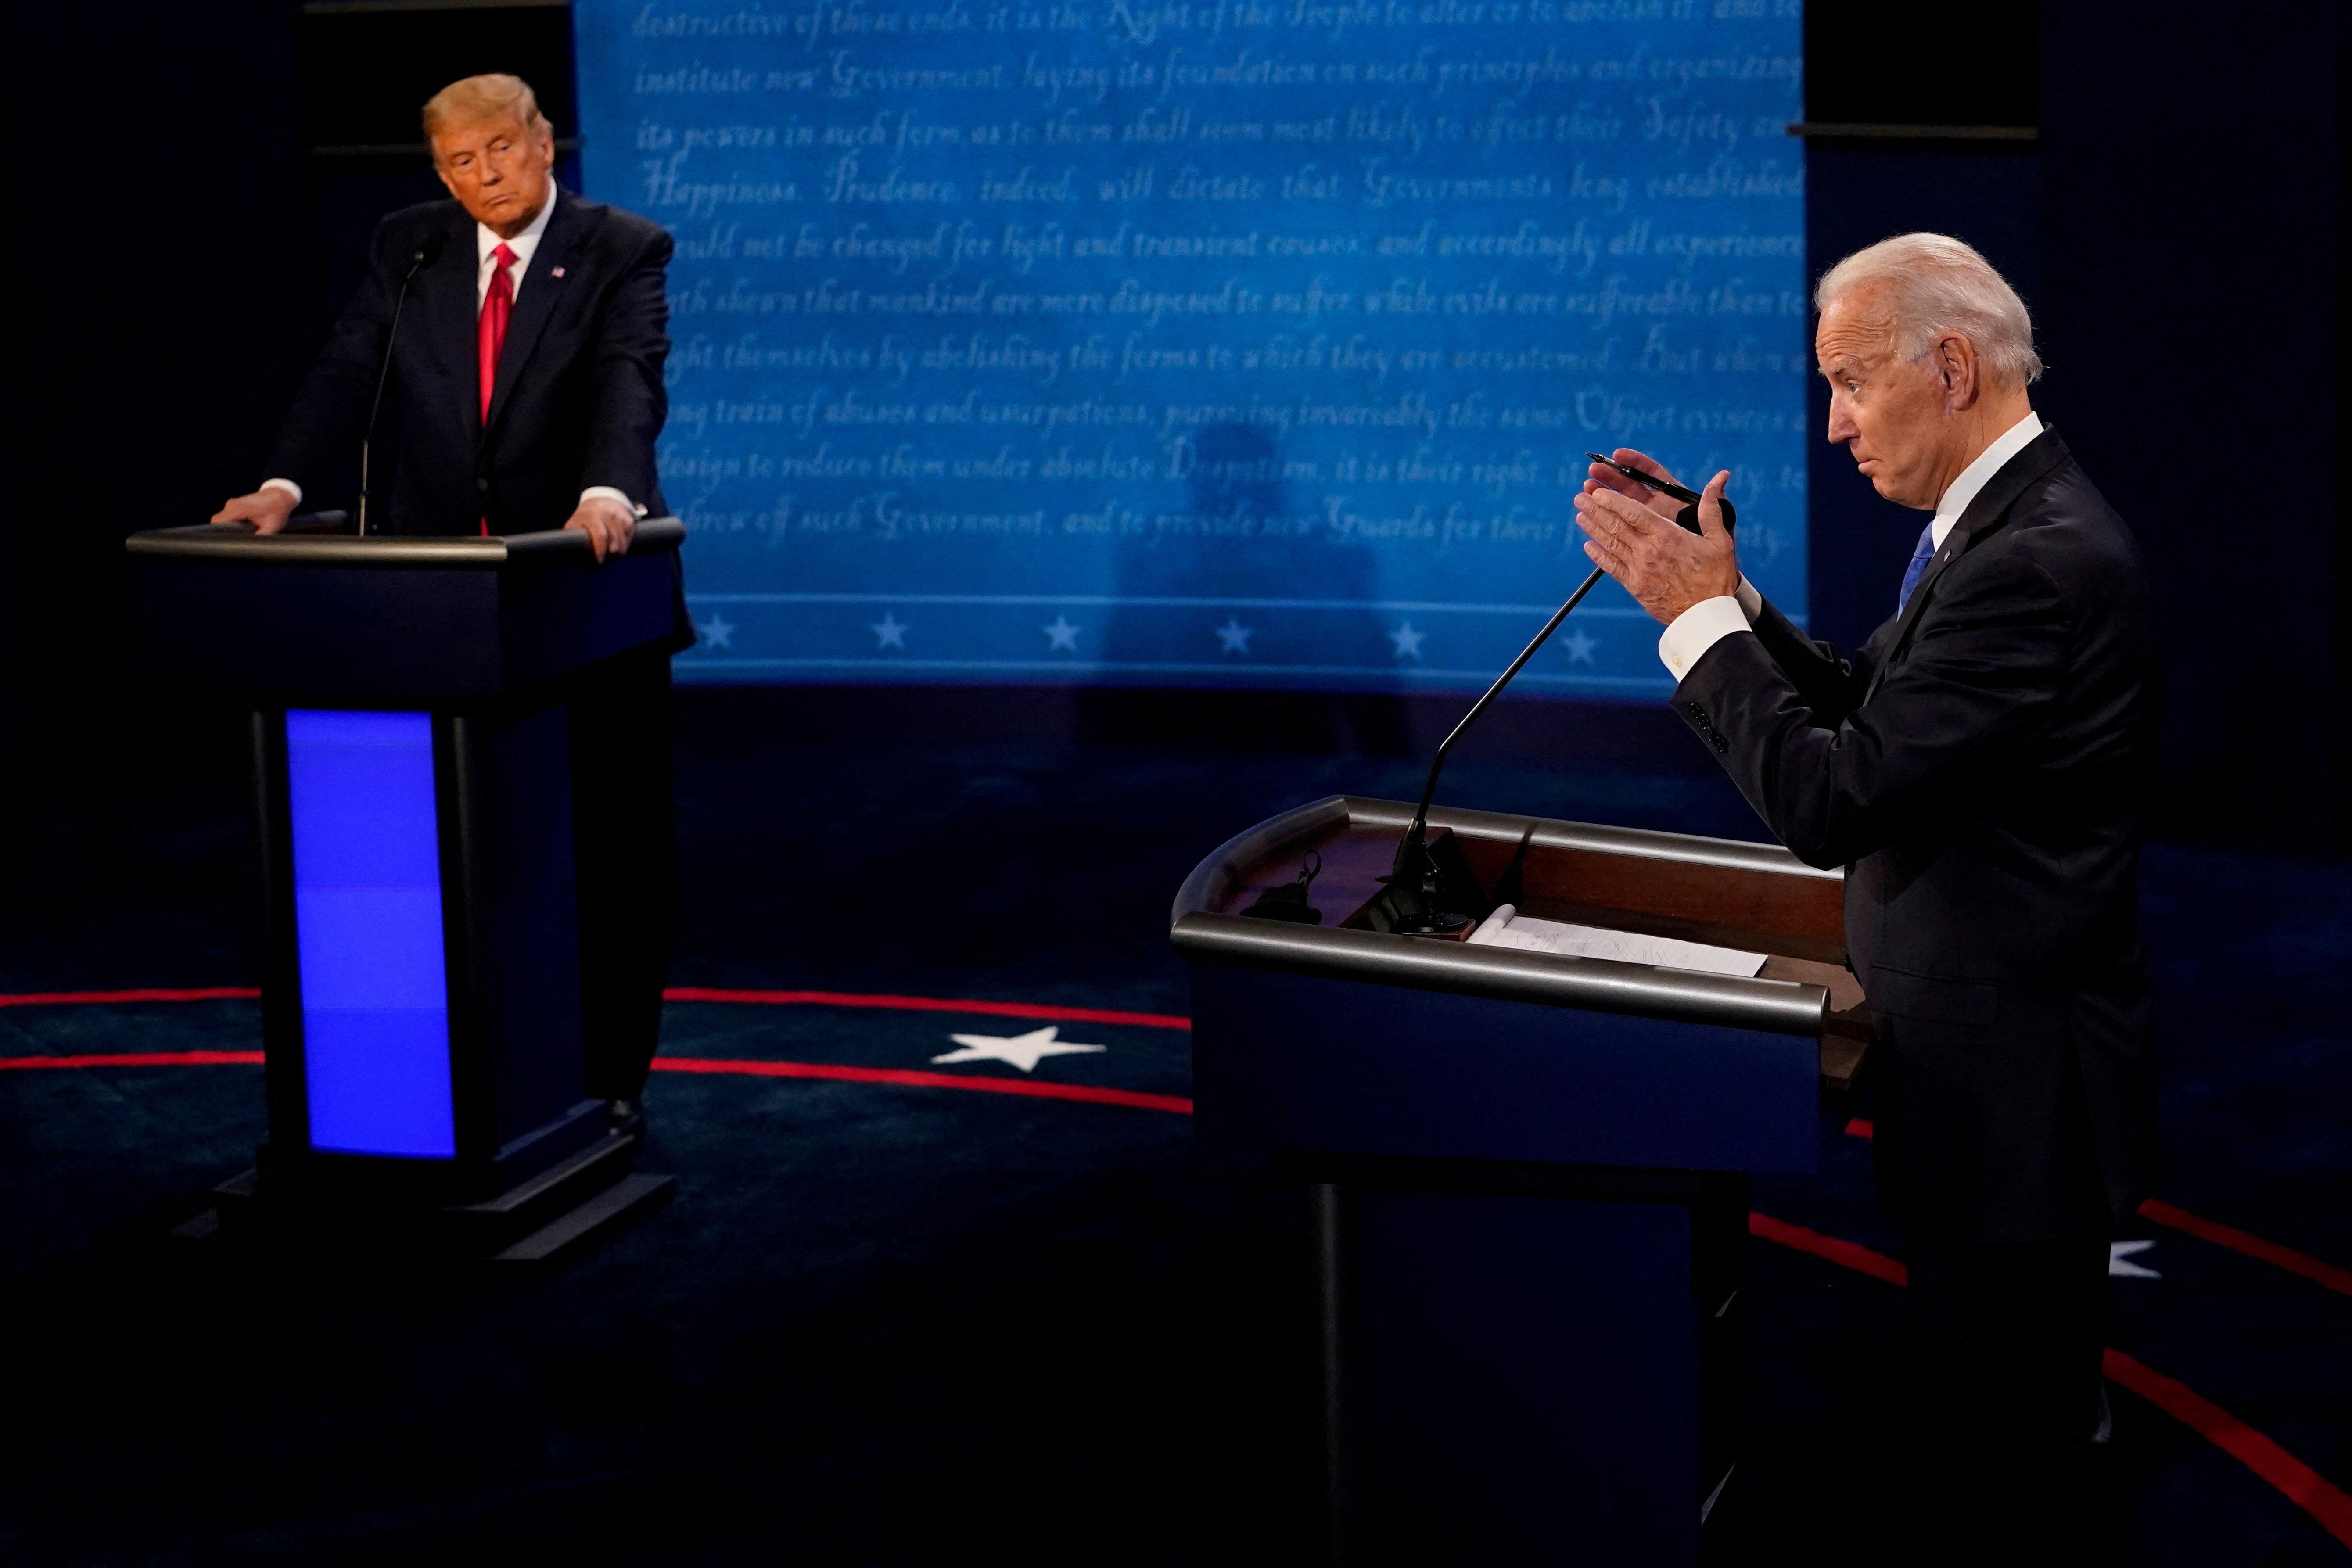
x: 1956, y: 367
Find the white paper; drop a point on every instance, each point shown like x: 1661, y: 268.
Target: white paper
x: 1508, y: 928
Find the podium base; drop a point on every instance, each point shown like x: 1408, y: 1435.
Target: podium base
x: 534, y: 1224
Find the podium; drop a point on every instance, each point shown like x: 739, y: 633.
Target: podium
x: 1526, y: 1173
x: 421, y: 988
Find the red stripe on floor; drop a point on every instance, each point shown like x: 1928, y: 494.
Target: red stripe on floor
x: 1847, y: 1254
x: 1035, y: 1088
x: 59, y: 998
x: 2303, y: 1486
x: 136, y: 1059
x: 2214, y: 1231
x: 694, y: 993
x: 2298, y: 1482
x: 2236, y: 1240
x: 927, y: 1005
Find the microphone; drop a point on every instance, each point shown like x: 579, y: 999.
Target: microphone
x: 1413, y: 877
x: 427, y: 251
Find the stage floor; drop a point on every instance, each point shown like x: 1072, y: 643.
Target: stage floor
x: 914, y: 1310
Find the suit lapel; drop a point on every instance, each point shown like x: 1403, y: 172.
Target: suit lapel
x: 537, y: 299
x: 448, y: 289
x: 1982, y: 518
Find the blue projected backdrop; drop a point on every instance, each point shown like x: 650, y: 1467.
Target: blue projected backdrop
x: 1203, y: 342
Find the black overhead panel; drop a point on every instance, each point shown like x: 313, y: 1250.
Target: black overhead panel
x: 1954, y: 74
x: 368, y: 65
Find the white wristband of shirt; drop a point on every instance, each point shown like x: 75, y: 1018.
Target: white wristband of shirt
x: 1706, y: 623
x: 609, y: 493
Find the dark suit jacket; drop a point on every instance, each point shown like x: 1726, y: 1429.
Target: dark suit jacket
x: 1981, y: 768
x: 579, y: 398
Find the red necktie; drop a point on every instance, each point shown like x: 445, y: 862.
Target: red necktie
x: 491, y: 331
x: 490, y: 335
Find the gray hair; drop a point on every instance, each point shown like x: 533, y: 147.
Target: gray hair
x: 1935, y: 284
x: 479, y: 98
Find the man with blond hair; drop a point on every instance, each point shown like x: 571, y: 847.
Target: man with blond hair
x: 1980, y: 767
x: 525, y: 392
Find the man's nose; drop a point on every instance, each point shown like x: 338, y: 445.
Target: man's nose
x: 1842, y: 425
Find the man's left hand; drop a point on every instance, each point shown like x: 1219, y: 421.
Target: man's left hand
x: 608, y: 524
x: 1666, y: 569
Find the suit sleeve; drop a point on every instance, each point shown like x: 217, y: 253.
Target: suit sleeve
x: 1830, y: 685
x: 1980, y: 683
x: 322, y: 432
x: 627, y: 402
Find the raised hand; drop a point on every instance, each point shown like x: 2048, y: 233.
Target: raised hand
x: 1637, y: 541
x: 1600, y: 477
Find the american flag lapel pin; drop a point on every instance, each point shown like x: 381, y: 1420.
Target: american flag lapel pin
x: 557, y: 273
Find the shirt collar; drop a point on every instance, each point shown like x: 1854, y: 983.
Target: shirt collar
x: 1973, y: 477
x: 487, y: 239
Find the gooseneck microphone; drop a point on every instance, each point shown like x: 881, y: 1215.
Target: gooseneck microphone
x: 427, y: 251
x: 1413, y: 877
x: 1412, y: 880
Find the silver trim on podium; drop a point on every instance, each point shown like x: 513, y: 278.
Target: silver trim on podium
x: 234, y: 543
x: 1381, y: 958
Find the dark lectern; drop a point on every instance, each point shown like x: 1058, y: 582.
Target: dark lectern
x: 1526, y: 1172
x: 421, y: 997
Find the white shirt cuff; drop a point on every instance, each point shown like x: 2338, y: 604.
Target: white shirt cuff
x: 1751, y: 603
x: 1699, y: 629
x: 609, y: 493
x: 288, y: 485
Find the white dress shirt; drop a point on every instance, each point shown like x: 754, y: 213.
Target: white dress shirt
x: 487, y: 240
x: 1709, y: 621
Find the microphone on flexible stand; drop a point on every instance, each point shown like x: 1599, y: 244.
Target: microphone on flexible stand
x: 427, y: 251
x: 1413, y: 877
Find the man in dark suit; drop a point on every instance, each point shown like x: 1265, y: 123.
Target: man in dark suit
x: 525, y: 394
x: 1980, y: 767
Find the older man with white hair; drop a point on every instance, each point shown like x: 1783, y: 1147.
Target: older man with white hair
x: 1981, y: 766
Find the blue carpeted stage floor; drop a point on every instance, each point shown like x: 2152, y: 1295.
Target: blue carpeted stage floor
x: 900, y: 1324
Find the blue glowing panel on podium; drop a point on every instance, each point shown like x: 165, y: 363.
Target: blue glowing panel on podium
x: 367, y: 909
x: 1204, y: 341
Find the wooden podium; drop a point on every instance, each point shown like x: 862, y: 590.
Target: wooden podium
x: 1526, y: 1173
x: 421, y: 990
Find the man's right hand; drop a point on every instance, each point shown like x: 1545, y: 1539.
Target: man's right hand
x: 1601, y: 479
x: 266, y: 509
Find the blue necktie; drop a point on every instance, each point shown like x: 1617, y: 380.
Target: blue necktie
x: 1918, y: 567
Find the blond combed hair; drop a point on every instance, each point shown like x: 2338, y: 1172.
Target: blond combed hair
x: 1935, y: 284
x: 480, y: 98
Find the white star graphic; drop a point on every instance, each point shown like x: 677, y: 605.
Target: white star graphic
x: 1061, y: 634
x: 1579, y: 646
x: 888, y: 632
x: 1407, y: 640
x: 718, y: 631
x: 2119, y: 1265
x: 1234, y: 635
x: 1023, y: 1051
